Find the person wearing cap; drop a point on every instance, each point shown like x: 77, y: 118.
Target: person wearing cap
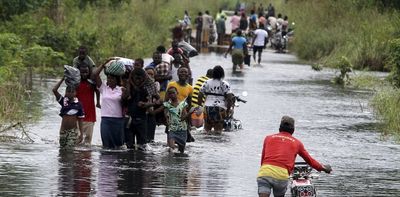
x: 278, y: 158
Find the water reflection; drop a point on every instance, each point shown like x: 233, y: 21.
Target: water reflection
x: 179, y: 177
x: 134, y: 179
x: 75, y: 173
x: 107, y: 181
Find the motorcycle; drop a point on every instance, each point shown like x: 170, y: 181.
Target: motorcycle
x: 231, y: 123
x: 300, y: 183
x: 278, y: 40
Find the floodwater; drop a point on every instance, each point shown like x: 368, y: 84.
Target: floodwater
x: 336, y: 126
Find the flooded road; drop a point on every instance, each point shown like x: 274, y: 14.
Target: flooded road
x: 336, y: 126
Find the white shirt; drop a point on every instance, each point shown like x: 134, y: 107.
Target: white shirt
x: 174, y: 73
x: 165, y: 57
x: 216, y: 87
x: 261, y: 35
x: 272, y: 22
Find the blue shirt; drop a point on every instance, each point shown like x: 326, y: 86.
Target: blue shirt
x: 238, y: 42
x: 152, y: 65
x: 73, y: 108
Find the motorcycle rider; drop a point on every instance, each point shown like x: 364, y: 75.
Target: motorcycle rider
x: 278, y: 159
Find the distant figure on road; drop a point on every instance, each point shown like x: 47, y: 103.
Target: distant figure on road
x: 238, y: 47
x: 260, y: 41
x: 270, y: 10
x: 235, y: 22
x: 199, y: 27
x: 220, y: 23
x: 244, y: 24
x: 207, y: 25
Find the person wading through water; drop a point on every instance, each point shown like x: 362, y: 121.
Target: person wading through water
x: 185, y: 91
x: 238, y: 47
x: 278, y: 158
x: 218, y: 100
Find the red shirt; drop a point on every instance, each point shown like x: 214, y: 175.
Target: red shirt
x: 281, y: 150
x: 85, y: 94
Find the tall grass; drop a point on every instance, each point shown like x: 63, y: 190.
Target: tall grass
x: 327, y: 30
x: 386, y: 104
x: 11, y: 103
x: 133, y: 30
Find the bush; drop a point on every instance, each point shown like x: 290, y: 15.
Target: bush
x: 344, y: 67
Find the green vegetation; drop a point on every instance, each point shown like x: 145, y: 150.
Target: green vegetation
x: 386, y: 104
x: 344, y: 67
x: 361, y: 35
x: 364, y: 80
x: 39, y: 36
x: 357, y: 30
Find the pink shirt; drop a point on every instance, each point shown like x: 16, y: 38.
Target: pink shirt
x: 263, y: 21
x: 111, y: 101
x: 235, y: 21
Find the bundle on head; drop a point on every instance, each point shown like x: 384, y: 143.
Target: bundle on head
x: 72, y: 76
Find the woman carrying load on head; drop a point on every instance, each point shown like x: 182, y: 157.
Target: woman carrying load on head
x: 112, y: 121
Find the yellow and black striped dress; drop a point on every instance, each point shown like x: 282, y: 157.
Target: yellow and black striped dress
x: 196, y: 89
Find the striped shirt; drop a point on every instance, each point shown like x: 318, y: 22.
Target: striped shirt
x: 196, y: 89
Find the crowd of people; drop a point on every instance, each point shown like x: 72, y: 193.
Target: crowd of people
x: 208, y: 29
x: 254, y: 30
x: 135, y: 101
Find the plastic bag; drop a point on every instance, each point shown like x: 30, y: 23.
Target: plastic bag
x: 188, y: 49
x: 115, y: 67
x: 72, y: 76
x: 127, y: 62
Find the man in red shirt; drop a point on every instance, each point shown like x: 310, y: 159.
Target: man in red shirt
x: 278, y: 158
x: 86, y: 93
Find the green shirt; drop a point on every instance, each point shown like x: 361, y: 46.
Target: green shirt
x: 175, y: 123
x: 220, y: 14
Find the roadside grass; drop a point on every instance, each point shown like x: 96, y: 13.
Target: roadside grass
x: 386, y: 105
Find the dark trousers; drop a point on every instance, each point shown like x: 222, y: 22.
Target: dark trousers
x: 151, y: 127
x: 112, y: 132
x: 220, y: 40
x: 198, y: 37
x: 137, y: 132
